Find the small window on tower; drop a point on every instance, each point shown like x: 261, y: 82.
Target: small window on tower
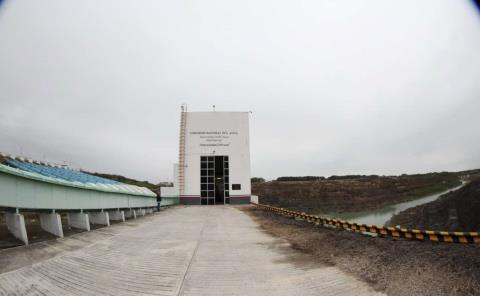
x: 236, y: 187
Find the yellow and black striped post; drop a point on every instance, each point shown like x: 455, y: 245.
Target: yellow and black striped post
x: 435, y: 236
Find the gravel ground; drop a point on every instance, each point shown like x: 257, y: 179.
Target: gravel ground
x: 397, y: 267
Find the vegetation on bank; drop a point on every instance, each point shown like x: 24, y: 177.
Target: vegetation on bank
x: 365, y: 177
x: 257, y: 180
x: 154, y: 187
x: 300, y: 178
x: 352, y: 193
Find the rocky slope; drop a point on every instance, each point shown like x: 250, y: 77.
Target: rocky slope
x: 351, y: 194
x: 455, y: 211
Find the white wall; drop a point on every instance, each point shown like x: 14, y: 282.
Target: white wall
x: 218, y: 133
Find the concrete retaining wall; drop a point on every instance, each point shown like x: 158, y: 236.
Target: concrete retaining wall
x: 130, y: 214
x: 16, y: 226
x: 101, y: 218
x: 52, y: 223
x: 79, y: 220
x: 116, y: 216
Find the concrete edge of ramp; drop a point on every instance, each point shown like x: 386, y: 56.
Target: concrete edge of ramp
x: 18, y: 257
x: 203, y: 251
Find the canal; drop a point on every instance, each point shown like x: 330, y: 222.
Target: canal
x: 380, y: 217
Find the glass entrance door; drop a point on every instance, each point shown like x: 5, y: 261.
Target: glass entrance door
x: 214, y: 180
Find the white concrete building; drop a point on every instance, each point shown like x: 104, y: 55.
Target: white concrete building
x: 214, y: 158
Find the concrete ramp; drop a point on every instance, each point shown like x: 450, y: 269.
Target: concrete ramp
x: 197, y: 250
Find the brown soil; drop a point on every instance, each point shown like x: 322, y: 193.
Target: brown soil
x: 455, y: 211
x: 351, y: 194
x: 397, y: 267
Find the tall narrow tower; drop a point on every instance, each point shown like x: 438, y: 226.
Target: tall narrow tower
x: 181, y: 150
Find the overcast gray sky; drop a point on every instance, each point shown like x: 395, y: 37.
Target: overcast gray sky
x: 336, y: 87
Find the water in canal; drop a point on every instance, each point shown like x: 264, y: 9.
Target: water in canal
x: 381, y: 216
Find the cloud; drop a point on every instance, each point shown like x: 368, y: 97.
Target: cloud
x: 335, y: 88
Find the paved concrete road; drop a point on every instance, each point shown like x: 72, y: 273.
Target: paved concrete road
x: 180, y: 251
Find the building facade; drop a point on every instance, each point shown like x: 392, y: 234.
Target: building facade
x: 214, y: 158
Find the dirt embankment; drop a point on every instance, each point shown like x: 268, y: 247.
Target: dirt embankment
x: 397, y: 267
x: 455, y: 211
x: 351, y: 194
